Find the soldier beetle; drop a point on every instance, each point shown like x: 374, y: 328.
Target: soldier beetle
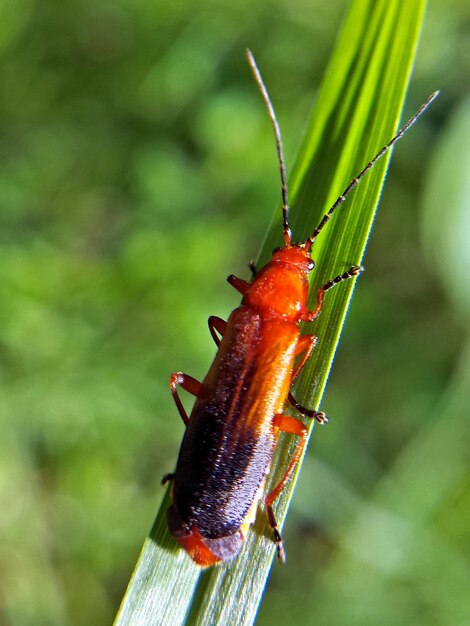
x: 237, y: 416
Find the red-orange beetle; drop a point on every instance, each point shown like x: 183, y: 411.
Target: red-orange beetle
x: 233, y: 428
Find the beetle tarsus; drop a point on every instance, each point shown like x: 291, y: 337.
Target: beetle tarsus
x: 280, y: 552
x: 319, y: 416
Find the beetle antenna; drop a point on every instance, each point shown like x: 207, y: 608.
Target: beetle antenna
x: 280, y: 152
x: 369, y: 166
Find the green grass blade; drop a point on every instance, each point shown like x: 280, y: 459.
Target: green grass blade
x: 357, y: 111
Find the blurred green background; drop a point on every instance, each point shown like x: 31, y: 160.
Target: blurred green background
x: 138, y: 170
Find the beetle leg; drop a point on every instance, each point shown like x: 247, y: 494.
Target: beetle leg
x: 294, y: 427
x: 319, y: 416
x: 189, y: 384
x: 167, y: 477
x: 309, y: 316
x: 305, y: 345
x: 238, y: 283
x: 219, y: 325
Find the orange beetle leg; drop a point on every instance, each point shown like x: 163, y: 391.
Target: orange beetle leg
x: 189, y: 384
x: 197, y: 549
x: 305, y: 345
x: 216, y: 325
x: 238, y: 283
x: 309, y: 316
x: 294, y: 427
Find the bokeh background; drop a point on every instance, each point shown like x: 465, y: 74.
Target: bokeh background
x: 138, y: 170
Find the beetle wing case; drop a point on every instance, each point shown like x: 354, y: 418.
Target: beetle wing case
x: 229, y: 441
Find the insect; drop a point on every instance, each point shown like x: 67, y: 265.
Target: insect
x: 238, y: 413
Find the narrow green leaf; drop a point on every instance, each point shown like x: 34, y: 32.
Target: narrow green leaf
x: 357, y: 112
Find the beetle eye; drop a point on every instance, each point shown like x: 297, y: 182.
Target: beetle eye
x: 311, y: 265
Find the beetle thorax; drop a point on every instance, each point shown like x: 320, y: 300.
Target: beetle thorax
x: 281, y: 287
